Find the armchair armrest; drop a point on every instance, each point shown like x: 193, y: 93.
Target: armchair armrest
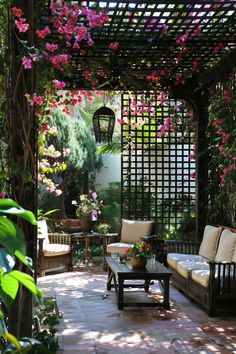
x: 62, y: 239
x: 179, y: 246
x: 40, y: 246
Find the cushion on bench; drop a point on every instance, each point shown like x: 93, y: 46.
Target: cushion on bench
x: 185, y: 268
x: 174, y: 258
x: 201, y: 276
x: 226, y: 248
x: 209, y: 242
x: 55, y: 249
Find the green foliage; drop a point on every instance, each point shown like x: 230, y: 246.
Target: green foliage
x: 222, y: 151
x: 102, y: 228
x: 46, y: 321
x: 111, y: 197
x: 13, y: 246
x: 75, y: 135
x: 140, y: 249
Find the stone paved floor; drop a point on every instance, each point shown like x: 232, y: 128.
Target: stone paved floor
x: 92, y: 324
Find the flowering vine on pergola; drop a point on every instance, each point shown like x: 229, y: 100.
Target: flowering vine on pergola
x: 145, y: 43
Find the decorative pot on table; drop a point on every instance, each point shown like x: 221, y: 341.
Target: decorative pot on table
x: 138, y: 262
x: 86, y: 223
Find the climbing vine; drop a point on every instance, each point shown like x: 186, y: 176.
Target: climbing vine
x: 222, y: 150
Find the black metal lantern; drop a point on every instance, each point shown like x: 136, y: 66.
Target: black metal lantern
x: 103, y: 124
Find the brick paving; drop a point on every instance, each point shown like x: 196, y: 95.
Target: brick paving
x: 92, y: 324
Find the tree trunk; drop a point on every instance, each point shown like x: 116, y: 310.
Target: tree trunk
x: 22, y: 151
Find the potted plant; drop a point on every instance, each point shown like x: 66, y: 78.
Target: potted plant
x: 88, y: 210
x: 139, y: 253
x: 103, y: 228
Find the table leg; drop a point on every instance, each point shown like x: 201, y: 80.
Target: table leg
x: 86, y: 258
x: 120, y: 293
x: 109, y: 278
x: 166, y: 302
x: 104, y: 243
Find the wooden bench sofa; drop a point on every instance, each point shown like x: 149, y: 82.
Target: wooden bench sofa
x: 207, y: 273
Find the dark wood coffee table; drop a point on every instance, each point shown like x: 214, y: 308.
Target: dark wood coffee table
x: 118, y: 273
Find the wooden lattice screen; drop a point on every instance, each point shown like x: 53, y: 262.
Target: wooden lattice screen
x: 156, y: 172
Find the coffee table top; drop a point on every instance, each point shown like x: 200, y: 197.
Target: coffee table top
x: 152, y: 267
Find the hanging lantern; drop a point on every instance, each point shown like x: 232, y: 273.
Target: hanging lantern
x: 103, y: 124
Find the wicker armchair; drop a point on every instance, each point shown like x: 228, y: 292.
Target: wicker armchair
x: 54, y: 251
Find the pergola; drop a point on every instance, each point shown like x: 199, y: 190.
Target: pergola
x: 186, y: 46
x: 185, y: 42
x: 182, y: 47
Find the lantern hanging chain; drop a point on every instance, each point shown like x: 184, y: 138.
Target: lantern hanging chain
x: 104, y: 99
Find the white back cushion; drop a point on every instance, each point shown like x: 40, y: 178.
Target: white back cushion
x: 226, y: 246
x: 43, y: 231
x: 210, y: 242
x: 133, y: 230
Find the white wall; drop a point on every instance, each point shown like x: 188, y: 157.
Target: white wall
x: 111, y: 171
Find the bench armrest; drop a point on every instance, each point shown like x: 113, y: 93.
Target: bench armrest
x: 222, y: 278
x: 179, y: 246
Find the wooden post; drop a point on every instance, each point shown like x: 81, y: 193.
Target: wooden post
x: 22, y: 151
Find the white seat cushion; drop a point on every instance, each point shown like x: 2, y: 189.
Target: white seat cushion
x: 174, y: 258
x: 186, y: 267
x: 133, y: 230
x: 201, y: 276
x: 118, y: 247
x: 55, y: 249
x: 210, y: 242
x: 226, y: 246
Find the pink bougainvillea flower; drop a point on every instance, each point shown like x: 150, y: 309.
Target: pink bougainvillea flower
x: 64, y: 58
x: 193, y: 175
x: 2, y: 195
x: 113, y: 45
x: 76, y: 45
x: 120, y: 121
x: 27, y: 63
x: 217, y: 122
x: 59, y: 84
x: 21, y: 25
x: 51, y: 47
x: 38, y: 100
x: 197, y: 31
x: 43, y: 33
x: 227, y: 95
x: 16, y: 11
x: 34, y: 57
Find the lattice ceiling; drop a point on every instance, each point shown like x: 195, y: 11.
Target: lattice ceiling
x: 178, y: 39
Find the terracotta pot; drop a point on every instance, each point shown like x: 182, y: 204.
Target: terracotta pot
x: 140, y: 262
x: 86, y: 223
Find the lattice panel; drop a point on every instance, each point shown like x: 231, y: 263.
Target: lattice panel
x: 156, y: 171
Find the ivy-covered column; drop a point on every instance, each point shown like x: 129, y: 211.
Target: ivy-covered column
x: 200, y: 103
x: 22, y: 153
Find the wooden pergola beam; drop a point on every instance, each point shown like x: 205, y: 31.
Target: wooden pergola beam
x: 211, y: 76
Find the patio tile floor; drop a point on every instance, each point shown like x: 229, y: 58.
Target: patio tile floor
x: 92, y: 324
